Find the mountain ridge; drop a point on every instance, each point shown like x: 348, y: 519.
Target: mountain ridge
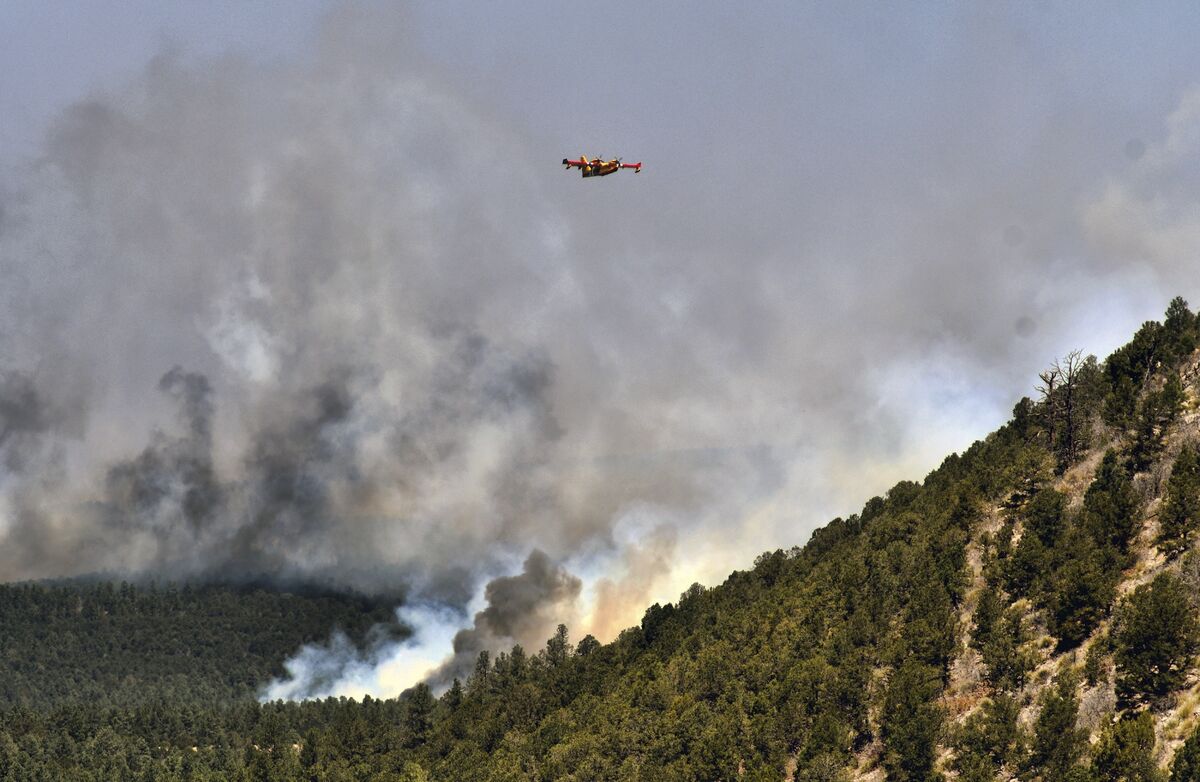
x: 1005, y: 618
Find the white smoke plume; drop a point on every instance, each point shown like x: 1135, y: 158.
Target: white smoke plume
x: 383, y: 666
x: 300, y: 322
x: 335, y: 318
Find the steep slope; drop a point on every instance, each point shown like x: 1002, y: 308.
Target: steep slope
x: 1027, y: 611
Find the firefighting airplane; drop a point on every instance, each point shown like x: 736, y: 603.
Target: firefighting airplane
x: 599, y: 167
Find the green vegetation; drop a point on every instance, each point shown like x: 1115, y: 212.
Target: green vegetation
x: 1155, y: 639
x: 1186, y: 766
x: 819, y: 661
x: 1126, y: 752
x: 1057, y: 743
x: 118, y: 644
x: 1180, y: 514
x: 988, y: 740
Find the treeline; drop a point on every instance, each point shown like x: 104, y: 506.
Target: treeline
x: 780, y: 664
x: 120, y: 643
x: 813, y: 661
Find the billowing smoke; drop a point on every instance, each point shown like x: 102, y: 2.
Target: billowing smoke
x: 391, y: 658
x: 337, y: 319
x: 519, y: 608
x: 22, y: 418
x: 170, y: 486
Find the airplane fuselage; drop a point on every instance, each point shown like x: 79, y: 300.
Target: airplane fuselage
x: 599, y: 167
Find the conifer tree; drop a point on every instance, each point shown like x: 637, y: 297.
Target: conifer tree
x: 418, y: 715
x: 1158, y: 410
x: 1006, y: 662
x: 1179, y: 330
x: 558, y: 648
x: 931, y: 624
x: 1180, y: 514
x: 988, y: 740
x: 1082, y: 590
x: 1057, y: 743
x: 1155, y: 639
x: 1110, y: 505
x: 587, y: 645
x: 1126, y: 752
x: 1120, y: 405
x: 310, y: 750
x: 1045, y: 515
x: 911, y: 722
x: 987, y: 611
x: 1028, y: 569
x: 1128, y: 369
x: 1186, y: 765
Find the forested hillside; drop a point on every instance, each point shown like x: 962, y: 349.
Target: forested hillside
x: 121, y: 644
x: 1027, y: 611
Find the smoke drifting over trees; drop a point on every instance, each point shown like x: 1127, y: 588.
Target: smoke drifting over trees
x: 519, y: 606
x: 333, y: 319
x: 313, y: 343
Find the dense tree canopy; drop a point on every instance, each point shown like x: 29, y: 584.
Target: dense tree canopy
x: 104, y: 642
x: 812, y: 661
x: 1155, y: 639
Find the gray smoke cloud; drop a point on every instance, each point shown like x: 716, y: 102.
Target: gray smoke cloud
x: 519, y: 608
x: 172, y: 474
x: 339, y: 318
x: 22, y: 418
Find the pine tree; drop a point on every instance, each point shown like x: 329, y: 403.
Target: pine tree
x: 1179, y: 331
x: 310, y: 754
x: 1028, y: 568
x: 988, y: 740
x: 587, y: 645
x: 1155, y: 638
x: 1057, y: 743
x: 1045, y: 516
x: 911, y: 722
x: 1180, y: 514
x: 931, y: 624
x: 987, y: 611
x: 1120, y: 405
x: 1006, y: 662
x: 418, y: 715
x: 1110, y: 505
x: 1186, y: 765
x: 1082, y: 589
x: 558, y: 648
x: 1158, y: 410
x: 1126, y: 751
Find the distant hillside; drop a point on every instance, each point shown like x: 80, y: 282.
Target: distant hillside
x: 1028, y: 611
x: 106, y: 643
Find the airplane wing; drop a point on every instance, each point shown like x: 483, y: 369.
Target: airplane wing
x: 599, y: 163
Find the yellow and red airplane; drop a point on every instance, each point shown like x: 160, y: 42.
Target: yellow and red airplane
x: 599, y: 167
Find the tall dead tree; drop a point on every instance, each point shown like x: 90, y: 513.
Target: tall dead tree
x: 1047, y: 389
x: 1064, y: 418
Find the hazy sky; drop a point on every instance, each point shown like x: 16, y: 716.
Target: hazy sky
x: 414, y: 353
